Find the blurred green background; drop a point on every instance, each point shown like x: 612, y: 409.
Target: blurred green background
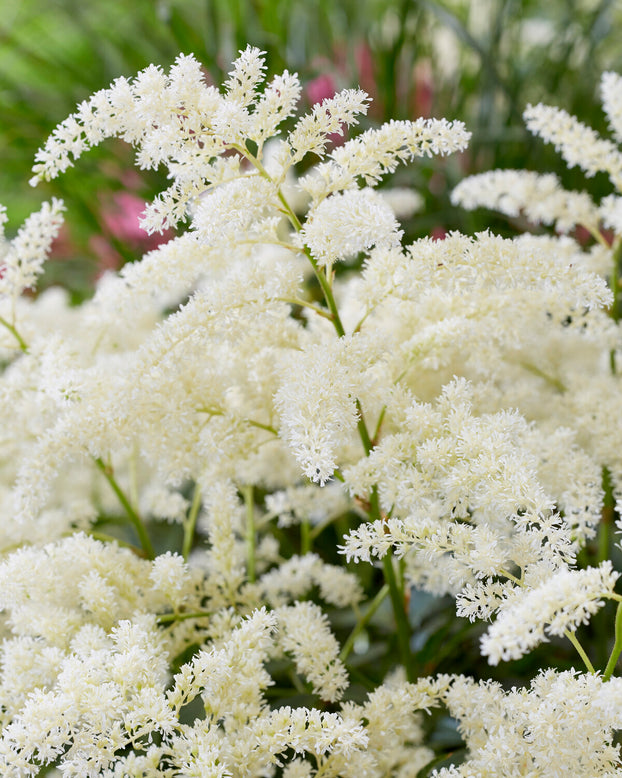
x: 478, y: 61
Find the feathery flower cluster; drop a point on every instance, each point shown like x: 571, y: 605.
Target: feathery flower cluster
x: 184, y: 454
x: 540, y: 197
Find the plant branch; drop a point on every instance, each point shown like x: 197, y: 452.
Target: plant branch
x: 617, y: 646
x: 191, y: 523
x: 11, y: 328
x: 134, y: 518
x: 580, y: 650
x: 363, y: 622
x: 168, y: 618
x: 247, y: 493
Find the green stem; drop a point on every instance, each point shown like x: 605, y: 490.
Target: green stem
x: 168, y: 618
x: 295, y: 221
x: 379, y: 424
x: 191, y: 523
x: 105, y: 538
x: 556, y: 383
x: 401, y: 619
x: 131, y: 513
x: 575, y: 642
x: 608, y: 517
x: 328, y: 294
x: 259, y: 425
x: 617, y: 646
x: 363, y: 622
x: 305, y: 537
x: 247, y: 493
x: 304, y: 304
x: 22, y: 343
x: 364, y: 434
x: 615, y: 311
x: 397, y: 595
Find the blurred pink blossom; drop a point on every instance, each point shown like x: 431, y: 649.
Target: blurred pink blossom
x: 120, y: 219
x: 423, y: 96
x: 366, y: 75
x: 320, y: 88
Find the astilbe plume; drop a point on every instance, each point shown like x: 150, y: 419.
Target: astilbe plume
x: 452, y: 404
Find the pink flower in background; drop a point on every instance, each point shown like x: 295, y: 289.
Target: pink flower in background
x: 121, y: 221
x: 366, y: 76
x: 321, y: 88
x: 423, y: 97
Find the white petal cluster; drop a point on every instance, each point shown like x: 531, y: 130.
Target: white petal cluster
x: 611, y: 213
x: 348, y: 223
x: 579, y: 145
x: 295, y: 578
x: 562, y: 602
x: 317, y: 407
x: 541, y: 198
x: 307, y: 503
x: 332, y: 115
x: 611, y: 94
x: 98, y: 683
x: 377, y: 152
x: 305, y: 634
x: 563, y: 724
x: 22, y: 258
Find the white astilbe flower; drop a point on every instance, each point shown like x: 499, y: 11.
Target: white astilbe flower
x: 241, y: 657
x: 119, y: 679
x: 223, y: 523
x: 317, y: 407
x: 461, y: 389
x: 611, y: 95
x: 179, y: 121
x: 445, y: 304
x: 245, y: 206
x: 307, y: 503
x: 345, y: 224
x: 578, y: 144
x: 296, y: 577
x: 169, y: 575
x: 278, y: 101
x: 305, y: 634
x: 52, y: 591
x: 246, y: 76
x: 539, y: 197
x: 310, y: 135
x: 163, y: 503
x: 472, y: 497
x: 454, y: 463
x: 563, y: 724
x: 111, y: 693
x: 562, y: 602
x: 393, y: 722
x: 21, y: 259
x: 191, y: 419
x: 611, y: 213
x: 482, y: 599
x: 377, y: 152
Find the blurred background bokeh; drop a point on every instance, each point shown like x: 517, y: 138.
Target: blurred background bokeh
x: 480, y: 61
